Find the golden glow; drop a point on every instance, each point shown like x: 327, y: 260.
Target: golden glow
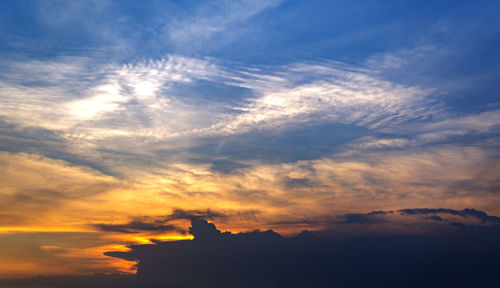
x: 62, y: 238
x: 27, y: 229
x: 147, y: 240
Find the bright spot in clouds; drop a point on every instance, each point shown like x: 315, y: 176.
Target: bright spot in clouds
x: 106, y: 99
x: 145, y: 89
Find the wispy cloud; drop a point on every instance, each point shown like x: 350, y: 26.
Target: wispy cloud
x: 136, y: 120
x: 143, y: 95
x: 323, y: 92
x: 212, y: 18
x: 147, y: 104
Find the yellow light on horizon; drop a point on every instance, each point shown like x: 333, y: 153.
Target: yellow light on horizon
x: 28, y: 229
x: 147, y: 239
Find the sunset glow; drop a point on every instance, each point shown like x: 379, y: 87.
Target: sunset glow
x: 154, y: 141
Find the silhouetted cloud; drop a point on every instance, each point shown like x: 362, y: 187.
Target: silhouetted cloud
x: 266, y: 259
x: 463, y: 257
x: 468, y: 212
x: 380, y: 212
x: 360, y: 218
x: 163, y: 223
x: 208, y: 214
x: 136, y: 227
x: 195, y: 214
x: 371, y: 217
x: 434, y: 214
x: 435, y: 218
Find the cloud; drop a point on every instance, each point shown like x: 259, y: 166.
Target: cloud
x: 92, y: 99
x: 172, y: 107
x: 131, y: 114
x: 364, y: 255
x: 340, y: 184
x: 79, y: 89
x: 145, y: 106
x: 408, y: 220
x: 222, y: 259
x: 367, y: 218
x: 196, y: 214
x: 162, y: 224
x: 360, y: 218
x: 34, y: 185
x: 435, y: 218
x: 463, y: 213
x: 328, y: 92
x: 374, y: 143
x: 137, y: 226
x: 368, y: 180
x: 212, y: 18
x: 32, y: 253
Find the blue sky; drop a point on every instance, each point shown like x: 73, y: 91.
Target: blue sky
x: 294, y: 109
x: 232, y: 82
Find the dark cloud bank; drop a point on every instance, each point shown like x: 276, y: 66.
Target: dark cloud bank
x: 453, y: 255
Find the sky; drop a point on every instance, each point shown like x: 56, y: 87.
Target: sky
x: 122, y: 122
